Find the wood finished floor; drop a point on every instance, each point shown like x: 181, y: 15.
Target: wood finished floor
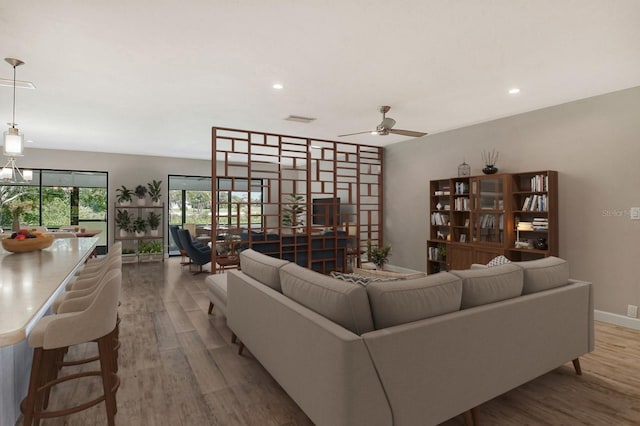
x: 178, y: 367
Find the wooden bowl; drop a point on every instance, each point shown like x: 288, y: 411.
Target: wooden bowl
x: 29, y: 244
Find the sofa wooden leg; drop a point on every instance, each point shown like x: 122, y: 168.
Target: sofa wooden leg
x: 471, y: 417
x: 240, y: 348
x: 576, y: 366
x: 234, y: 338
x: 210, y: 307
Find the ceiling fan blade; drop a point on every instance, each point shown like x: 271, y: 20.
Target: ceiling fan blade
x: 407, y: 133
x: 357, y: 133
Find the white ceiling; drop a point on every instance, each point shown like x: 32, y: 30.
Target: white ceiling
x: 153, y: 76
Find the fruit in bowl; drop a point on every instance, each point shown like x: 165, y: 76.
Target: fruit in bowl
x: 25, y: 241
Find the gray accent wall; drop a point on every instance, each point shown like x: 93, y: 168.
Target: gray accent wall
x: 594, y: 144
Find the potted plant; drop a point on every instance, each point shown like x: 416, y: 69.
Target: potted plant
x: 150, y: 250
x: 155, y: 191
x: 378, y: 255
x: 153, y: 219
x: 128, y: 255
x: 141, y: 193
x: 124, y: 195
x: 140, y: 226
x: 292, y: 211
x: 124, y: 222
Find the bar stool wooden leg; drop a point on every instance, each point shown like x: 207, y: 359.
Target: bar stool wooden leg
x: 105, y: 348
x: 34, y: 382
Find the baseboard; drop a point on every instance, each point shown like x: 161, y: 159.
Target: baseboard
x: 616, y: 319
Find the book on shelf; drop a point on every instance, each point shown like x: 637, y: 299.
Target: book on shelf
x: 461, y: 203
x: 462, y: 188
x: 540, y: 183
x: 439, y: 219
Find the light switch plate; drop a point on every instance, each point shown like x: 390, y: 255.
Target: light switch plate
x: 634, y: 213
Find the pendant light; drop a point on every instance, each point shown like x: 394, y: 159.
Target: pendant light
x: 14, y: 140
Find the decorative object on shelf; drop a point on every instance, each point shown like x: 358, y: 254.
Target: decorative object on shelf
x: 24, y: 241
x: 464, y: 169
x: 140, y: 226
x: 378, y: 255
x: 153, y: 219
x: 155, y: 191
x: 490, y: 159
x: 14, y: 141
x: 439, y: 206
x: 541, y: 243
x: 141, y: 193
x: 124, y: 222
x: 124, y: 196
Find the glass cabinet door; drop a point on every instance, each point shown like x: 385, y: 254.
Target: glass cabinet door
x: 488, y: 209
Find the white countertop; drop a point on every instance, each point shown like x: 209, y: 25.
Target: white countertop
x: 29, y: 282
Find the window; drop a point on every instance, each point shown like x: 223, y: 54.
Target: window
x: 190, y: 202
x: 60, y: 198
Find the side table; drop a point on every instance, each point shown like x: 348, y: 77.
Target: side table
x: 227, y: 262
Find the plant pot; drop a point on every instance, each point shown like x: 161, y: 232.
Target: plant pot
x: 125, y: 203
x: 489, y: 169
x: 139, y: 234
x: 156, y: 203
x: 141, y: 201
x: 124, y: 233
x: 154, y: 232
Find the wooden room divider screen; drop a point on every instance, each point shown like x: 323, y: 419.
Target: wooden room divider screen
x: 315, y: 202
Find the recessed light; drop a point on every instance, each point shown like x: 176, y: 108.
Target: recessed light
x: 514, y: 91
x: 278, y: 86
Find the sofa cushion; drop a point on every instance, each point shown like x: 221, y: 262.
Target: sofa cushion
x: 262, y: 268
x: 482, y: 286
x: 399, y: 302
x: 544, y: 274
x: 342, y: 302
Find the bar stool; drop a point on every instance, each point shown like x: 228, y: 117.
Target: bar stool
x: 55, y: 333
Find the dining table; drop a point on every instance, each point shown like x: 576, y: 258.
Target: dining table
x: 29, y: 283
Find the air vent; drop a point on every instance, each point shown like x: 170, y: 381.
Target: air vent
x: 300, y: 119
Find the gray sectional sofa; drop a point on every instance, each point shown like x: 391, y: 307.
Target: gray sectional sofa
x: 413, y: 352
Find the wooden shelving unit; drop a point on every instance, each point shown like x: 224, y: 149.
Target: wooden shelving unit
x: 132, y: 241
x: 474, y: 219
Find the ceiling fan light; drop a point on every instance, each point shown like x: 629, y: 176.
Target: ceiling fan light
x: 13, y: 143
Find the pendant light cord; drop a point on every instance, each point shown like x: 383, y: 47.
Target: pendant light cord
x: 13, y: 122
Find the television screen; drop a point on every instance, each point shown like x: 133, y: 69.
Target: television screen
x: 326, y: 211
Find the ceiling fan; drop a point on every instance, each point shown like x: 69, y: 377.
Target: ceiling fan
x: 386, y: 126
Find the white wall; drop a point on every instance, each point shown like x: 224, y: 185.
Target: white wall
x: 128, y: 170
x: 593, y: 143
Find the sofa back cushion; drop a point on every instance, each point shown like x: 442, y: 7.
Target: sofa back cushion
x: 482, y: 286
x: 344, y: 303
x: 399, y: 302
x: 544, y: 274
x: 263, y: 268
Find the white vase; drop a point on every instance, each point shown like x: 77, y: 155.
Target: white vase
x: 141, y: 201
x: 154, y: 232
x: 156, y: 203
x: 139, y: 234
x: 125, y: 203
x: 124, y: 233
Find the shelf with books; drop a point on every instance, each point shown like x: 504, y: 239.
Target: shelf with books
x: 436, y: 256
x: 485, y: 226
x: 534, y: 214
